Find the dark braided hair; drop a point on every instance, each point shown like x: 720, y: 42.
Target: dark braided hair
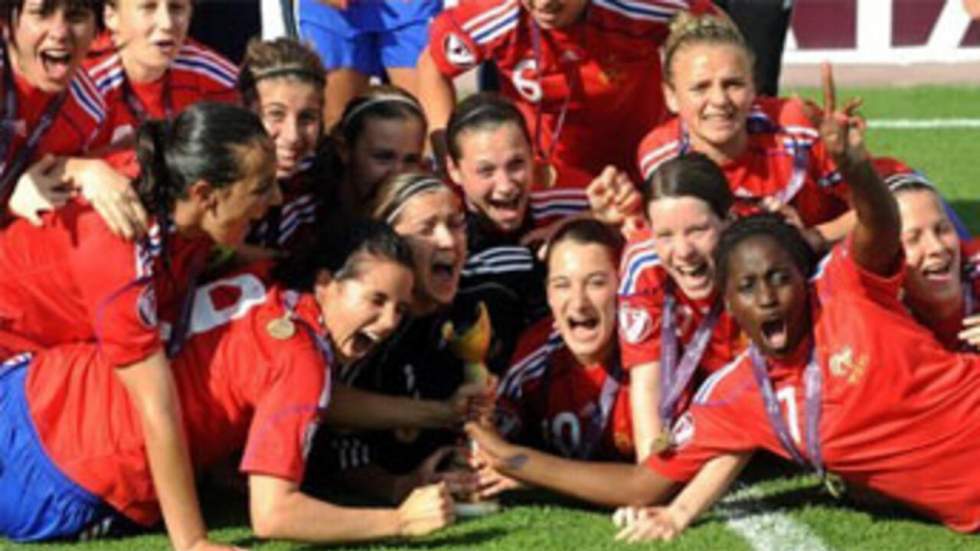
x: 205, y: 142
x: 769, y: 225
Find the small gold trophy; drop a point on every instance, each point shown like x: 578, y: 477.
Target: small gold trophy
x: 471, y: 345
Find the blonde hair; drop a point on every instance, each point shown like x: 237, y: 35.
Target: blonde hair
x: 279, y: 58
x: 688, y: 29
x: 396, y: 191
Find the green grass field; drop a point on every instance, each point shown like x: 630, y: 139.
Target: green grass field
x: 782, y: 512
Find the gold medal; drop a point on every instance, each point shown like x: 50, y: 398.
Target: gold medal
x: 662, y: 442
x: 281, y: 328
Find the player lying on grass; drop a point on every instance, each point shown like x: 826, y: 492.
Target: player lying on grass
x: 839, y: 375
x: 254, y: 373
x: 823, y: 382
x: 565, y: 391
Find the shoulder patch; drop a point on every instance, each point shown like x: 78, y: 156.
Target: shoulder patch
x: 458, y: 52
x: 635, y: 324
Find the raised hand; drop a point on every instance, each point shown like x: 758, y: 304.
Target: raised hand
x: 612, y: 197
x: 842, y: 130
x: 38, y: 190
x: 426, y: 510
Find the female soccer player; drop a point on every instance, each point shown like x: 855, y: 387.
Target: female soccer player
x: 282, y: 81
x: 565, y: 391
x: 767, y: 147
x: 254, y: 374
x: 147, y: 68
x: 381, y: 133
x: 584, y: 74
x: 823, y: 381
x: 674, y: 330
x: 942, y: 285
x: 49, y: 105
x: 417, y: 362
x: 204, y: 177
x: 508, y: 196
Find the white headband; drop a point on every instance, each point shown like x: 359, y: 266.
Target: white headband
x: 424, y: 185
x: 381, y: 98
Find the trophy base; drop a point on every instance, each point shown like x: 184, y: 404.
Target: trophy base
x: 471, y: 509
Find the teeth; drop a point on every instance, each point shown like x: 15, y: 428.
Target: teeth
x: 374, y: 337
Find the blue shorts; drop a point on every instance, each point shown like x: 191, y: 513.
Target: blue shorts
x: 368, y: 52
x: 37, y: 501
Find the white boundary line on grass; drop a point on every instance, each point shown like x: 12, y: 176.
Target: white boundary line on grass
x: 923, y: 124
x: 766, y: 530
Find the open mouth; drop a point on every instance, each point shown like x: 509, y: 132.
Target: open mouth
x: 694, y: 276
x: 582, y: 326
x: 57, y: 63
x: 444, y: 272
x: 775, y: 333
x: 505, y: 208
x: 165, y: 46
x: 363, y: 341
x: 938, y: 271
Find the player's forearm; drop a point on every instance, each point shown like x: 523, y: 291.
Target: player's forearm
x: 284, y: 512
x: 356, y: 409
x: 707, y: 487
x: 877, y: 231
x: 153, y: 392
x: 644, y: 402
x: 438, y: 97
x: 610, y: 484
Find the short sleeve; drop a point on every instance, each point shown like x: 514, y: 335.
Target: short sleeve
x: 115, y: 282
x: 838, y: 275
x: 454, y: 35
x: 287, y: 412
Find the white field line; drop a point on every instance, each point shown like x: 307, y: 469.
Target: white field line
x: 766, y: 530
x: 923, y: 124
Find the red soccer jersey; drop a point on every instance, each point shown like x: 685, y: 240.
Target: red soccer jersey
x: 785, y: 158
x: 77, y: 126
x: 947, y: 330
x: 546, y: 398
x: 642, y: 288
x: 196, y: 74
x: 72, y: 280
x: 238, y: 387
x: 899, y: 413
x: 603, y: 71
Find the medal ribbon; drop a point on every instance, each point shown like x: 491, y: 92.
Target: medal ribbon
x: 674, y: 378
x: 570, y: 76
x: 813, y: 390
x: 592, y: 435
x: 12, y: 170
x: 290, y: 300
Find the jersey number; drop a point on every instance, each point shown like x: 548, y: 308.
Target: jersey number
x: 244, y: 292
x: 787, y: 396
x: 525, y: 80
x: 565, y: 434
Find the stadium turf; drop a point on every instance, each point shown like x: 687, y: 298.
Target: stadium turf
x: 786, y: 512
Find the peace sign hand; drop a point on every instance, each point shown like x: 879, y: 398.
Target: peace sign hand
x: 842, y: 130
